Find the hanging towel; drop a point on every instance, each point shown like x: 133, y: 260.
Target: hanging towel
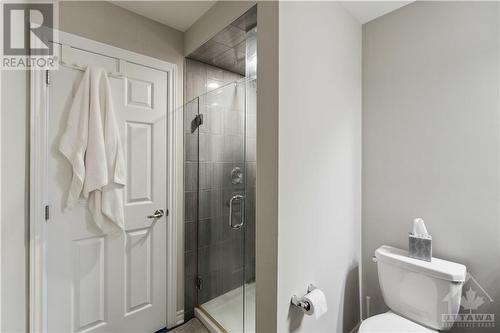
x: 74, y: 140
x: 91, y: 143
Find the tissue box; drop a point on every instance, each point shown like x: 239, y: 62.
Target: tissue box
x: 420, y: 247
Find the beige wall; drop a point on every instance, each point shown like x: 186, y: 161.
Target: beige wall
x: 15, y: 199
x: 103, y: 22
x: 130, y: 31
x: 431, y: 137
x: 266, y: 247
x: 127, y: 30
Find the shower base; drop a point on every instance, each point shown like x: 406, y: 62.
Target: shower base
x: 225, y: 312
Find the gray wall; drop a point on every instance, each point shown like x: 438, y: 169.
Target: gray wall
x: 431, y: 137
x: 319, y: 163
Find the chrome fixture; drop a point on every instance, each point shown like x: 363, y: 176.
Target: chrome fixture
x: 236, y: 176
x: 234, y: 198
x: 301, y: 302
x: 157, y: 214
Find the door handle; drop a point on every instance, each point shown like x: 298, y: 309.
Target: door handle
x: 234, y: 198
x: 157, y: 214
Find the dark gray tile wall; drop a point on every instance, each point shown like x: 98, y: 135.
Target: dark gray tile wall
x: 250, y: 153
x: 213, y: 250
x: 227, y: 49
x: 251, y: 167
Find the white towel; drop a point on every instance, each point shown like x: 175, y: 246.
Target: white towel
x: 91, y: 143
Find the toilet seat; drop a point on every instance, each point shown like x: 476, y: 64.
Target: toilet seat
x: 390, y: 322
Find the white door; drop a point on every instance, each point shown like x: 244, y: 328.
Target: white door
x: 110, y: 283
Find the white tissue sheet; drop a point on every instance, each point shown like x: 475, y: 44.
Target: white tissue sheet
x: 317, y: 300
x: 419, y: 228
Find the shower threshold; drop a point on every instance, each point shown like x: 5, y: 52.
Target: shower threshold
x: 224, y: 314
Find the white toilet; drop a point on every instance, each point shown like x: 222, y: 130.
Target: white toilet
x: 423, y: 296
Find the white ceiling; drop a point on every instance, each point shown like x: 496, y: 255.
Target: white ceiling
x: 176, y: 14
x: 365, y: 11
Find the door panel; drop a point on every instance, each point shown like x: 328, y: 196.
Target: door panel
x: 139, y: 154
x: 99, y: 282
x: 89, y: 282
x: 138, y: 270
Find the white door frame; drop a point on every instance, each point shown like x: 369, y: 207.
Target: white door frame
x: 39, y: 106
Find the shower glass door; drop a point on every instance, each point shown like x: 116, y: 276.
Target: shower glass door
x: 221, y: 203
x: 222, y: 169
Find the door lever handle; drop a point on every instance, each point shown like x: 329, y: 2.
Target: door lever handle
x: 157, y: 214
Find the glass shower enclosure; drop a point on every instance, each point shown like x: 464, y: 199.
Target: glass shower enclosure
x: 220, y: 164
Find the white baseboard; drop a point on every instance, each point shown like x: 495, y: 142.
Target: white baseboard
x: 179, y: 317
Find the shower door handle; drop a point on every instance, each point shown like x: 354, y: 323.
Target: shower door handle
x: 234, y: 198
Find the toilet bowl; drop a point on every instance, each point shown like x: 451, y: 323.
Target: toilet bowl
x: 423, y: 296
x: 390, y: 322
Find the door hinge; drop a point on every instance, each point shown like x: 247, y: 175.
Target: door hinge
x: 197, y: 122
x: 200, y: 119
x: 199, y: 283
x: 47, y: 212
x: 47, y: 77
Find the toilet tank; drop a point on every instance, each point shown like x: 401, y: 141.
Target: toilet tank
x: 427, y: 293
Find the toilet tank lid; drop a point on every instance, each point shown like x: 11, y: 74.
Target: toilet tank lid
x: 437, y: 268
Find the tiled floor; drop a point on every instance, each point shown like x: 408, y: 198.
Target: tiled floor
x: 227, y: 309
x: 192, y: 326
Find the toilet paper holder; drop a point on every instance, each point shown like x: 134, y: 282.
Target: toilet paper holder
x: 301, y: 302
